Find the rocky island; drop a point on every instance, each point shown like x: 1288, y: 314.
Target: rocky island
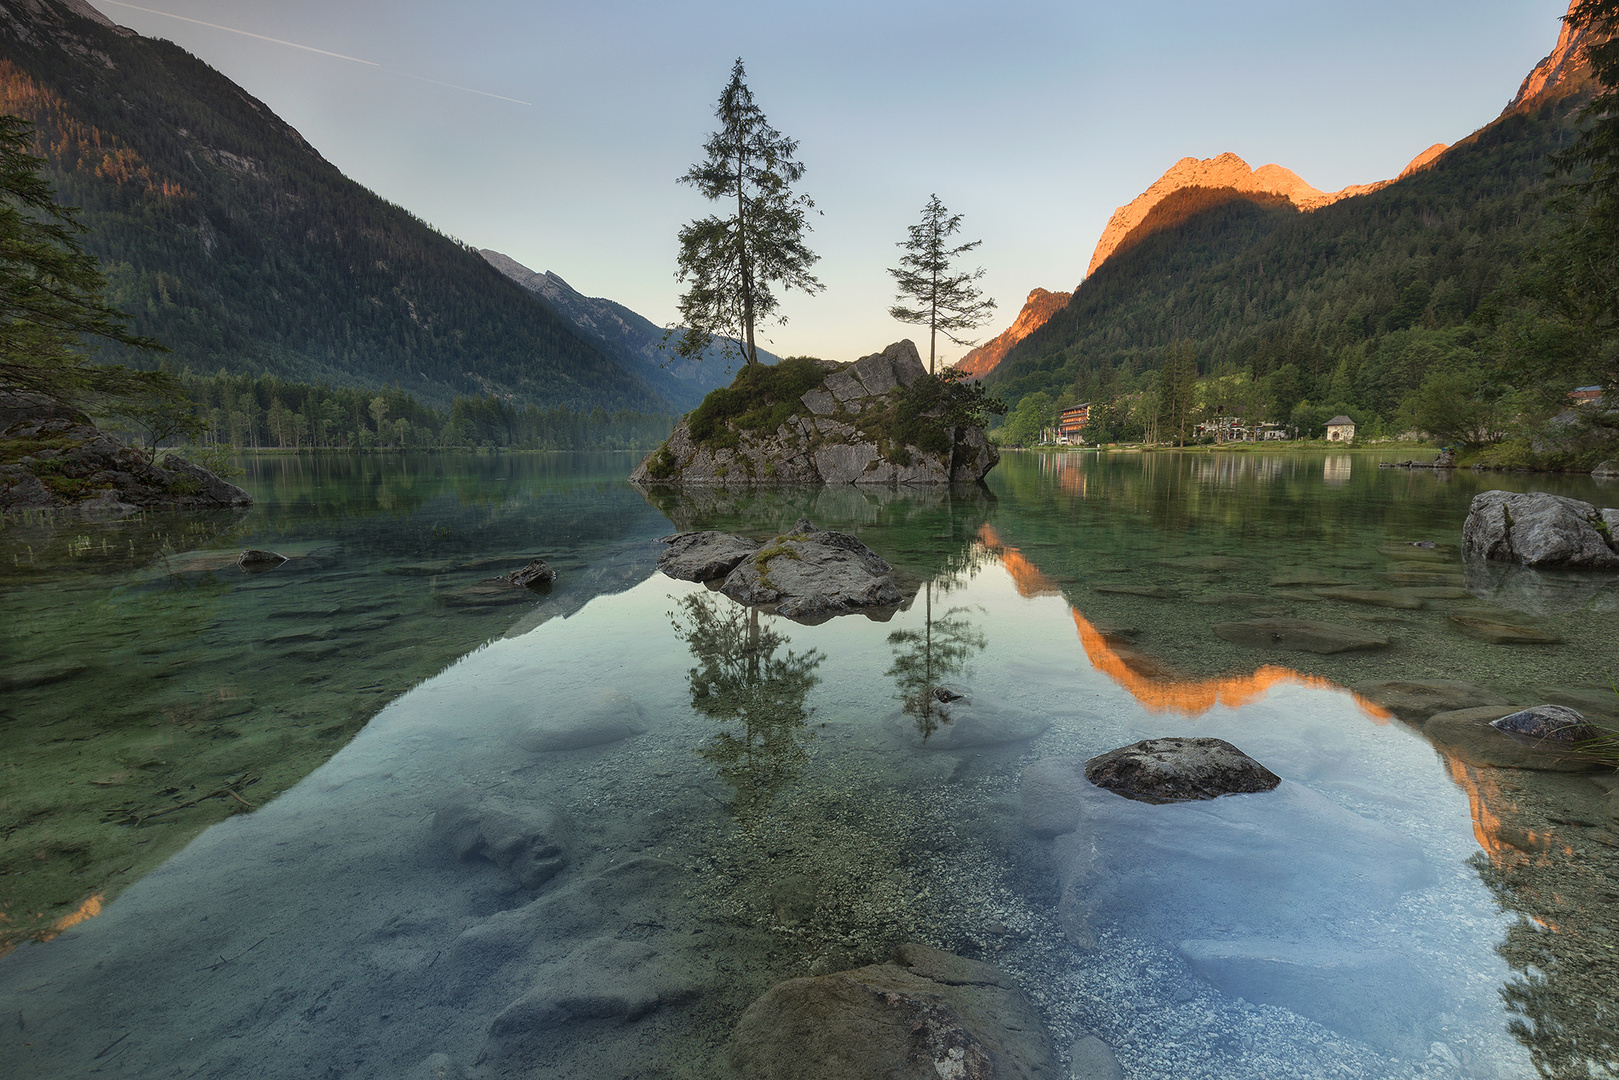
x: 880, y: 420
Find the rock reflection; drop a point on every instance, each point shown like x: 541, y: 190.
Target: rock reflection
x: 925, y: 657
x: 740, y: 680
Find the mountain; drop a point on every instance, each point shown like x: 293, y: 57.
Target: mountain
x: 632, y: 340
x: 1040, y: 306
x: 229, y: 238
x: 1360, y: 296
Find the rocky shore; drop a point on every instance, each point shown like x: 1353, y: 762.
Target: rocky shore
x: 53, y: 457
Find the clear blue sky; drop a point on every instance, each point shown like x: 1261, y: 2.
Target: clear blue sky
x: 1034, y: 119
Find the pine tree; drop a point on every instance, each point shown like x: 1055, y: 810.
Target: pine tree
x: 1177, y: 391
x: 945, y: 301
x: 51, y: 292
x: 731, y: 261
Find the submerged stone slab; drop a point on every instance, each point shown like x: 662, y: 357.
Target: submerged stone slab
x: 1384, y: 598
x: 925, y: 1015
x: 1300, y: 635
x: 1051, y: 794
x: 1497, y: 632
x: 603, y: 979
x: 1414, y: 700
x: 1158, y: 592
x: 1178, y: 770
x: 614, y: 717
x: 522, y: 838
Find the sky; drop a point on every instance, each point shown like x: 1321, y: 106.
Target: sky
x: 555, y: 132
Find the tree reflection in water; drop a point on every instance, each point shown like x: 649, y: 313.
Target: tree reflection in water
x: 923, y: 657
x: 740, y: 679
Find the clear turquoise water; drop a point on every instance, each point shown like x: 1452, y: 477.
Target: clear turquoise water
x: 782, y: 815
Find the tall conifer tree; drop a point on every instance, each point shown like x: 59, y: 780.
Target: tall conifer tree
x: 732, y: 260
x: 945, y: 301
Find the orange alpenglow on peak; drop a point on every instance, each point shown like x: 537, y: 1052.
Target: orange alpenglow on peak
x: 1230, y: 175
x: 1564, y: 69
x: 1041, y: 305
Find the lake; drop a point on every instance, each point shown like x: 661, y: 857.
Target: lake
x: 361, y: 815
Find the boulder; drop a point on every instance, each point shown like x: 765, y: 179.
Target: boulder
x: 1550, y: 723
x: 536, y: 575
x: 1299, y: 635
x: 924, y: 1015
x: 813, y: 572
x: 703, y: 556
x: 1468, y: 734
x: 1092, y: 1059
x: 1414, y: 700
x: 613, y: 718
x: 254, y: 561
x: 1537, y: 529
x: 1445, y: 460
x: 1178, y: 770
x: 1608, y: 470
x: 523, y: 839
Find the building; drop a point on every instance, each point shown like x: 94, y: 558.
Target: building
x: 1340, y: 429
x: 1071, y: 425
x: 1584, y: 395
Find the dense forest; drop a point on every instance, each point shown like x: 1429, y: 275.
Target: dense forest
x: 265, y: 412
x: 1371, y: 306
x: 228, y: 238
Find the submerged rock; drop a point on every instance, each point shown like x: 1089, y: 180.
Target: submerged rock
x: 1538, y: 529
x: 808, y: 573
x: 1177, y: 770
x: 925, y: 1015
x: 524, y: 839
x: 1414, y: 700
x: 254, y: 561
x: 603, y: 979
x: 1299, y: 635
x: 616, y: 716
x: 1092, y: 1059
x: 1469, y: 734
x: 1051, y: 793
x: 1497, y: 632
x: 1553, y: 723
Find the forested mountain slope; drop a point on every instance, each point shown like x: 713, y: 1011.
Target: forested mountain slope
x: 230, y: 239
x: 1361, y: 296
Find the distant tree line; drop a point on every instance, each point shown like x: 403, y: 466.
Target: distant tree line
x: 268, y: 412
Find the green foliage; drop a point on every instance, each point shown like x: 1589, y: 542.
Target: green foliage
x: 759, y: 399
x: 1456, y: 407
x: 945, y: 301
x: 1177, y: 393
x: 1025, y: 423
x: 921, y: 414
x: 225, y: 235
x: 731, y: 261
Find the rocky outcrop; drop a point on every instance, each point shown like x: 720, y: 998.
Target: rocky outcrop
x: 925, y: 1014
x: 1041, y: 305
x: 1131, y: 223
x: 837, y: 436
x: 1178, y: 770
x: 1562, y: 71
x: 55, y: 458
x: 807, y: 573
x: 1537, y: 529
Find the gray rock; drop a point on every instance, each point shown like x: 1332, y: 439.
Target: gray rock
x: 1092, y: 1059
x: 1552, y: 723
x: 1608, y: 470
x: 820, y: 402
x: 814, y: 574
x: 1178, y: 769
x: 524, y: 839
x: 703, y: 556
x: 925, y: 1015
x: 255, y: 561
x: 1299, y: 635
x: 616, y: 716
x: 844, y: 386
x: 1371, y: 995
x: 1051, y: 793
x: 876, y: 373
x: 973, y: 457
x: 1537, y: 529
x: 536, y: 575
x: 1414, y: 700
x: 1445, y: 460
x: 846, y: 463
x: 1468, y: 734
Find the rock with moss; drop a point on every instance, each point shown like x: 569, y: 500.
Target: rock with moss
x: 1538, y: 529
x: 880, y: 420
x: 807, y: 573
x: 53, y: 457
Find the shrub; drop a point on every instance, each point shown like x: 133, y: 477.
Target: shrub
x: 760, y: 398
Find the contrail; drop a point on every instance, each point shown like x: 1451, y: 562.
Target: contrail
x: 311, y: 48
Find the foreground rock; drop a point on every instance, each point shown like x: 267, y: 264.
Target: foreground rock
x: 1555, y: 723
x: 925, y: 1015
x: 1471, y: 735
x: 1178, y: 770
x: 536, y: 575
x: 1537, y: 529
x: 804, y: 574
x: 837, y: 434
x: 57, y: 459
